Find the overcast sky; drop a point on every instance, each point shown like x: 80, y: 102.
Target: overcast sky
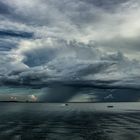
x: 92, y: 42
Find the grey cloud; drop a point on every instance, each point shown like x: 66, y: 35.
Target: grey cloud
x: 132, y: 43
x: 7, y: 44
x: 107, y: 4
x: 68, y: 65
x: 5, y: 9
x: 37, y: 47
x: 129, y: 46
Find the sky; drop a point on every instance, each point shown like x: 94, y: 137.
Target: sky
x: 72, y: 43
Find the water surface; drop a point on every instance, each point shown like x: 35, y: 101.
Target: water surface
x: 76, y: 121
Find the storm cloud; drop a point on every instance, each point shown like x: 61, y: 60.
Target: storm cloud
x: 71, y: 43
x: 41, y: 62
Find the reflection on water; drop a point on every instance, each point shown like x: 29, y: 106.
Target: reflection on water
x: 38, y: 121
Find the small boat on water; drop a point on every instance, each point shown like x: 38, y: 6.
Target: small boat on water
x: 110, y: 106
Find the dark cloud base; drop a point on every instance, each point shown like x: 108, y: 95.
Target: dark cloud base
x: 20, y: 34
x: 61, y: 93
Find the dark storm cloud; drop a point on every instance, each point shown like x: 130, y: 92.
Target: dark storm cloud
x: 115, y: 94
x: 29, y: 66
x: 58, y: 93
x: 5, y: 9
x: 9, y: 33
x: 106, y: 4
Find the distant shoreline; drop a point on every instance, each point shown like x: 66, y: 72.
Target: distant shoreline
x: 67, y: 102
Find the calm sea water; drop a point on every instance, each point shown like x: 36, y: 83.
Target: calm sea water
x: 75, y: 121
